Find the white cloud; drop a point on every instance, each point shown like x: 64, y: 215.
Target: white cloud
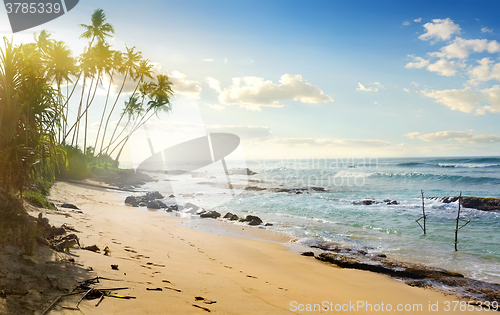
x: 418, y: 20
x: 486, y: 30
x: 462, y: 100
x: 486, y: 70
x: 440, y: 29
x: 361, y: 87
x: 416, y: 84
x: 444, y: 67
x: 461, y: 48
x: 460, y: 136
x: 492, y: 95
x: 214, y: 84
x: 418, y: 62
x: 182, y: 85
x: 406, y: 23
x: 406, y: 90
x: 254, y: 92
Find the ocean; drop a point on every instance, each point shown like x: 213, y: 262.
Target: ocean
x: 322, y: 200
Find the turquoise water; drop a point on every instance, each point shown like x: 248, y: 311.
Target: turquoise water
x: 339, y: 215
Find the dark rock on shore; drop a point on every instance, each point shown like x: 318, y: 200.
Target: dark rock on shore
x: 153, y: 205
x: 70, y: 206
x: 161, y: 204
x: 299, y: 190
x: 254, y: 188
x: 311, y: 254
x: 144, y: 200
x: 231, y: 217
x: 171, y: 208
x: 153, y: 195
x: 210, y: 214
x: 367, y: 202
x: 415, y: 274
x: 252, y: 220
x: 478, y: 203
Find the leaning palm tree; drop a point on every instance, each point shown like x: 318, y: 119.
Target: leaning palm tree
x: 159, y: 100
x: 144, y: 70
x: 114, y: 67
x: 130, y: 65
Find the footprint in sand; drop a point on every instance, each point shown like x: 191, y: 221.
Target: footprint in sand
x: 203, y: 308
x: 200, y: 298
x: 129, y: 249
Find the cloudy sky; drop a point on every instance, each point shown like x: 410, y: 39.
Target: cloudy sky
x: 316, y: 78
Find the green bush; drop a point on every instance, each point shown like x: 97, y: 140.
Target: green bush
x: 38, y: 199
x: 75, y: 164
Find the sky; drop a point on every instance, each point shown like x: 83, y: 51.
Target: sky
x: 312, y: 79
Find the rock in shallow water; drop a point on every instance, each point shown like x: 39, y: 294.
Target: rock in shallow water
x: 252, y: 220
x: 210, y: 214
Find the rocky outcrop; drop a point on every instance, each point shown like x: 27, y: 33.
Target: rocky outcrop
x: 413, y: 274
x: 144, y: 200
x: 479, y: 203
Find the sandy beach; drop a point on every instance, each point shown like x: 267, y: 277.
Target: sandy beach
x: 202, y: 272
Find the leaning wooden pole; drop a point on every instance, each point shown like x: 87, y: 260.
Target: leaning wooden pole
x: 423, y: 214
x: 423, y: 211
x: 458, y: 219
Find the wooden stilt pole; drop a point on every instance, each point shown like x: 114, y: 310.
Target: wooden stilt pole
x: 458, y: 219
x: 423, y: 214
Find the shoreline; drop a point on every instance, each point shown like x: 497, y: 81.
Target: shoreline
x: 412, y: 273
x: 198, y: 271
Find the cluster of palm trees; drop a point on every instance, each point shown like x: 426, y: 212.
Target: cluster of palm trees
x: 41, y: 81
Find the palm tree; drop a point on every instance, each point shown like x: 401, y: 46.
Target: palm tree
x: 143, y: 70
x: 61, y: 66
x: 115, y: 66
x: 98, y: 29
x: 130, y: 65
x: 94, y: 63
x: 159, y: 100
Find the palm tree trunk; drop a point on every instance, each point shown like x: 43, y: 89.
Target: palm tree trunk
x: 75, y: 132
x: 112, y: 109
x: 103, y: 113
x: 86, y: 115
x: 125, y: 140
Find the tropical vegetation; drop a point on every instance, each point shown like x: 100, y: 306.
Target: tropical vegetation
x: 46, y: 94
